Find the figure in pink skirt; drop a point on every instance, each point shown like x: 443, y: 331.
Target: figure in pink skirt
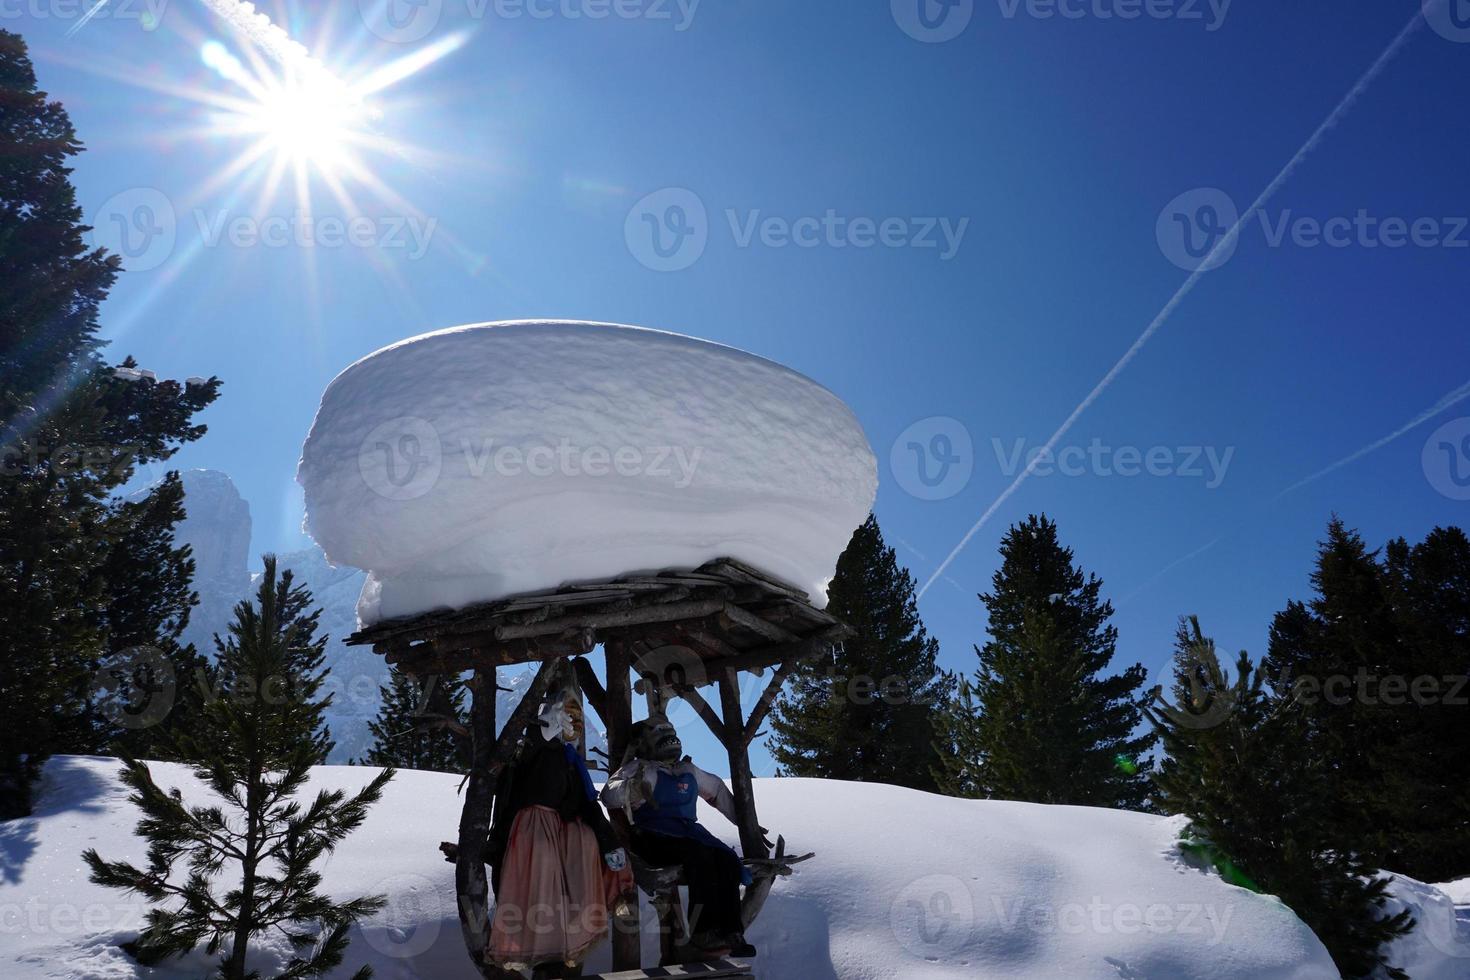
x: 557, y: 869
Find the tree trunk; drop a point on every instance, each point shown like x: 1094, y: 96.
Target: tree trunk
x: 627, y: 939
x: 474, y: 824
x: 235, y: 968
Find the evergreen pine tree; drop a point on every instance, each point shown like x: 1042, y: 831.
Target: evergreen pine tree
x: 147, y: 612
x: 398, y: 737
x: 1429, y: 795
x: 960, y: 764
x: 1353, y: 656
x: 261, y: 730
x: 71, y: 433
x: 865, y: 714
x: 1045, y: 725
x: 1259, y: 811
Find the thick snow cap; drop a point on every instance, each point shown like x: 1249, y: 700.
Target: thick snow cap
x: 500, y: 458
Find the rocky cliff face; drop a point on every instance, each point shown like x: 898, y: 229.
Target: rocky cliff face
x: 356, y: 673
x: 217, y: 527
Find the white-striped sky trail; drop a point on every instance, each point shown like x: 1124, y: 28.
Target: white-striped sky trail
x: 1227, y: 241
x: 278, y: 45
x: 1449, y: 401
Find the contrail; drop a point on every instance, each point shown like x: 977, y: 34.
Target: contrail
x: 1228, y: 241
x: 280, y: 46
x: 82, y: 21
x: 1450, y: 400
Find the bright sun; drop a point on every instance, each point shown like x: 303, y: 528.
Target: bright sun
x: 308, y: 124
x: 307, y: 117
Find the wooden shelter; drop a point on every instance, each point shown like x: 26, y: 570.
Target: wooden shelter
x: 678, y: 631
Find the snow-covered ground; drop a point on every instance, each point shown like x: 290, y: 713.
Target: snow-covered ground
x: 904, y: 885
x: 488, y: 460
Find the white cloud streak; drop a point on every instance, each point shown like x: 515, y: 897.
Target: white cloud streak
x: 1450, y: 400
x: 278, y: 45
x: 1226, y: 242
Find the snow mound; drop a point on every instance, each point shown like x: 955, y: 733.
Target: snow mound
x: 1439, y: 946
x: 905, y: 886
x: 499, y: 458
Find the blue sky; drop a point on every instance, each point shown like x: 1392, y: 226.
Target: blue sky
x: 1055, y: 143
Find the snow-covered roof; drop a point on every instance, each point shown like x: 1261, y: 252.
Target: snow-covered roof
x: 500, y: 458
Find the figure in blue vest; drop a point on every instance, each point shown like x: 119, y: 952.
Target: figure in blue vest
x: 659, y: 788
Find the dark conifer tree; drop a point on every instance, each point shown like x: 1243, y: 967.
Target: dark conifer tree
x: 1046, y: 724
x: 148, y: 608
x: 1373, y: 659
x: 866, y: 714
x: 72, y: 431
x: 1259, y: 810
x: 1429, y: 795
x: 261, y: 730
x: 420, y: 725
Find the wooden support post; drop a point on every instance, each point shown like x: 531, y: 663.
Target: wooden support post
x: 672, y: 932
x: 474, y: 824
x: 592, y: 689
x: 752, y: 840
x: 702, y: 708
x: 627, y: 938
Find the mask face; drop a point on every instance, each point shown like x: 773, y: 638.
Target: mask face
x: 661, y: 742
x: 561, y: 718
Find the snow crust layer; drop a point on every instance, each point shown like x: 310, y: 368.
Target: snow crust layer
x: 1439, y: 946
x: 499, y: 458
x: 905, y: 886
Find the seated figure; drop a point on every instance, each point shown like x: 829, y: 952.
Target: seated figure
x: 659, y: 788
x: 557, y: 867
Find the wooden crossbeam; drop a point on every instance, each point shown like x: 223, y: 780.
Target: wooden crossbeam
x: 637, y: 616
x: 755, y: 624
x: 723, y: 969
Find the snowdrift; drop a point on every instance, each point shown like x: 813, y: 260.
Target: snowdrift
x: 905, y: 886
x: 500, y: 458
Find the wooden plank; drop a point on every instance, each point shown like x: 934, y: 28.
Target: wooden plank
x: 706, y: 636
x: 561, y: 599
x: 724, y: 969
x: 636, y: 616
x: 484, y: 650
x: 737, y: 569
x: 755, y: 624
